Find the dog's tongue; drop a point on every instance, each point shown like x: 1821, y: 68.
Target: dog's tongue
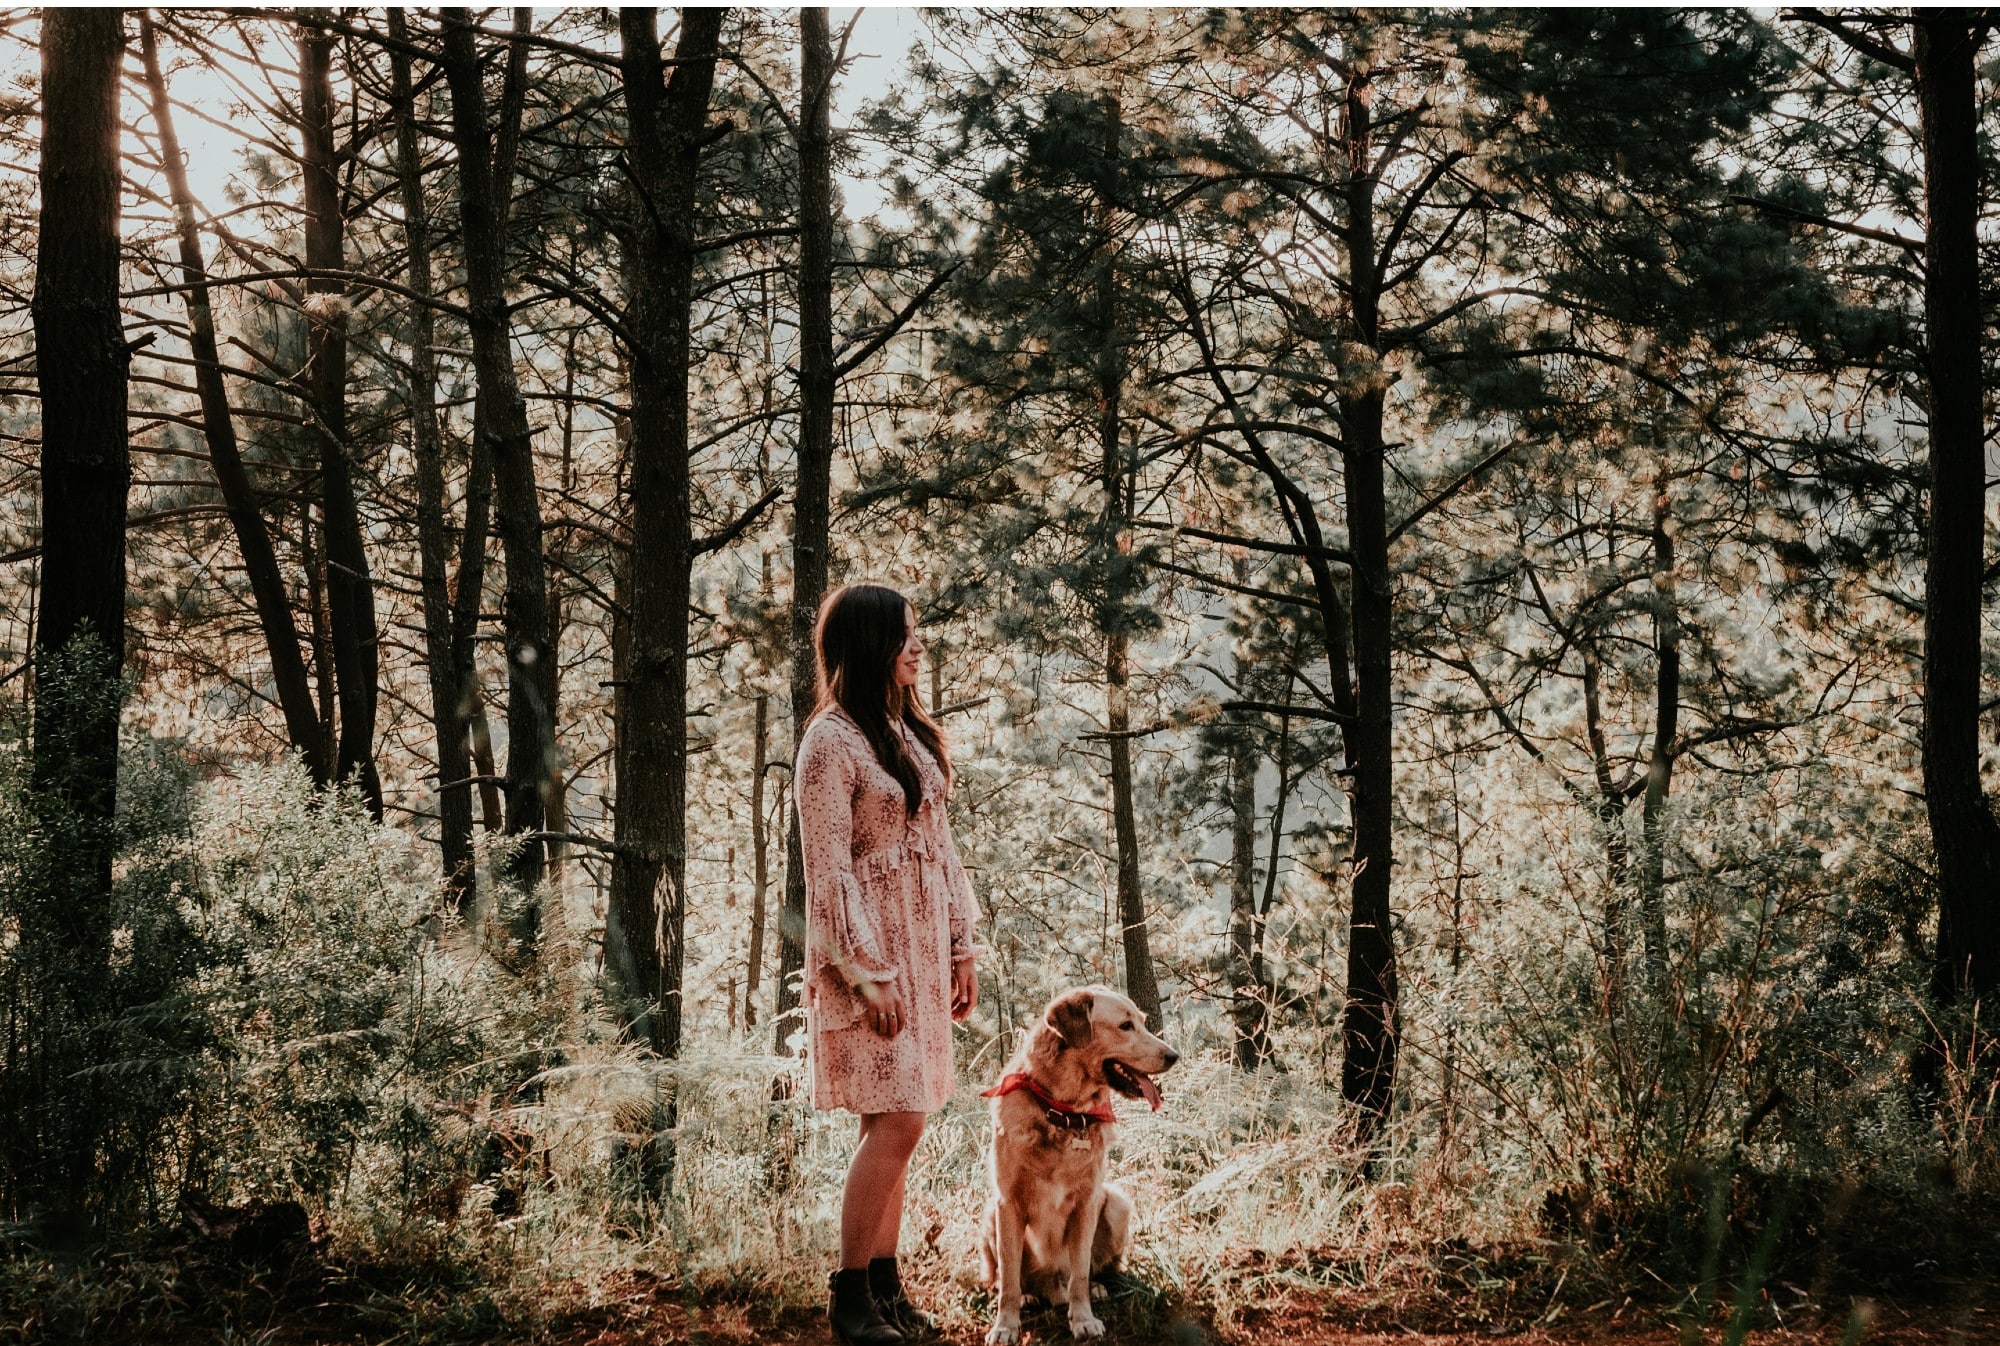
x: 1148, y: 1088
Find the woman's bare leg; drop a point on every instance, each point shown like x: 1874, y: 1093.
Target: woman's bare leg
x: 890, y: 1232
x: 871, y: 1203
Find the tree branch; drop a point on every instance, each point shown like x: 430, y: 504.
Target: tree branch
x: 1248, y: 591
x: 1914, y: 246
x: 1334, y: 554
x: 1868, y: 46
x: 881, y: 334
x: 736, y: 529
x: 1103, y: 735
x: 1296, y: 712
x: 1448, y: 492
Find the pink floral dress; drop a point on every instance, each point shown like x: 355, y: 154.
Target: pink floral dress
x: 887, y: 900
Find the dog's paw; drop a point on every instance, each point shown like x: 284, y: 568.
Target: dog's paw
x: 1097, y: 1291
x: 1004, y: 1332
x: 1083, y: 1323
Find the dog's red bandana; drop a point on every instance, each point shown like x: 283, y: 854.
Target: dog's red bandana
x: 1062, y: 1114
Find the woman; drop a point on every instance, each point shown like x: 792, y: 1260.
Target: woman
x: 889, y: 918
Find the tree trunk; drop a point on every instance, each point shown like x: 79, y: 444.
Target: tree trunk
x: 485, y: 170
x: 81, y: 363
x: 1139, y: 980
x: 1370, y: 1030
x: 1250, y: 991
x: 468, y: 595
x: 1448, y: 1102
x: 1963, y: 830
x: 350, y: 593
x: 812, y: 493
x: 1247, y: 1006
x: 558, y: 797
x: 454, y: 758
x: 253, y: 537
x: 310, y: 554
x: 666, y: 120
x: 1267, y: 991
x: 1368, y: 1071
x: 760, y: 850
x: 1660, y: 768
x: 1610, y: 809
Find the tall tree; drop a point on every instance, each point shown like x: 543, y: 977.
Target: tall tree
x: 1114, y: 617
x: 218, y: 424
x: 1855, y: 166
x: 1963, y: 829
x: 1368, y: 1068
x: 775, y: 643
x: 812, y: 491
x: 1249, y: 1004
x: 1054, y: 364
x: 487, y: 150
x: 81, y: 365
x: 667, y: 126
x: 1394, y: 179
x: 760, y: 850
x: 350, y: 591
x: 447, y: 649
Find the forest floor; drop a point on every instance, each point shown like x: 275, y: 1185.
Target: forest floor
x: 658, y: 1317
x: 1301, y: 1321
x: 642, y: 1310
x: 314, y: 1302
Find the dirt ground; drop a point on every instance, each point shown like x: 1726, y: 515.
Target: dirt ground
x: 655, y: 1321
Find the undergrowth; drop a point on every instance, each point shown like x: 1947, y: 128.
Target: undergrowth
x: 467, y: 1140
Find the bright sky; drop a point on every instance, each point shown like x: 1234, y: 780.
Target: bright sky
x: 881, y: 41
x: 876, y: 56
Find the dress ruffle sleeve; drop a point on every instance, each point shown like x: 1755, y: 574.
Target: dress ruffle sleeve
x: 839, y: 928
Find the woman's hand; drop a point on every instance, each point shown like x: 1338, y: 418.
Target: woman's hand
x: 885, y: 1006
x: 964, y: 988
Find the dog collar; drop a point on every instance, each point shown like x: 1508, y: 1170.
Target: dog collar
x: 1060, y: 1114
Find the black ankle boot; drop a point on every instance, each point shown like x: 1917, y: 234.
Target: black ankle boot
x: 856, y: 1321
x: 887, y: 1287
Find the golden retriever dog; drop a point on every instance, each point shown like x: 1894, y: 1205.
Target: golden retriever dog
x: 1052, y: 1221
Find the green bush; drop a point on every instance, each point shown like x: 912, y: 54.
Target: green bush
x: 287, y: 1013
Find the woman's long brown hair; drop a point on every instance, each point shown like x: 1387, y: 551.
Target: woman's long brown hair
x: 861, y: 631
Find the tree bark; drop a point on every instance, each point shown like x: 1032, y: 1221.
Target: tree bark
x: 1609, y: 806
x: 81, y: 362
x: 1140, y: 983
x: 1369, y: 1031
x: 467, y: 595
x: 312, y: 555
x: 1249, y: 989
x: 485, y: 191
x: 1448, y: 1100
x: 246, y: 518
x: 81, y: 366
x: 1963, y: 831
x: 350, y: 592
x: 813, y: 491
x: 666, y: 121
x: 558, y: 794
x: 760, y: 850
x: 1247, y: 1006
x: 454, y: 757
x: 1660, y: 767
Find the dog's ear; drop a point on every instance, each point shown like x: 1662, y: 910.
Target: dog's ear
x: 1069, y: 1017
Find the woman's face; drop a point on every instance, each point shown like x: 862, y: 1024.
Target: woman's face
x: 910, y: 662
